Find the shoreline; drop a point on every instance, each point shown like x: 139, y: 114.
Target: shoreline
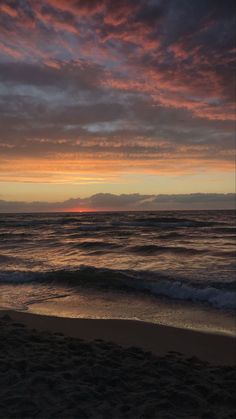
x: 159, y: 339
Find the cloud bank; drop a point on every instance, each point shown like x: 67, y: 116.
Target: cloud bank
x: 126, y: 202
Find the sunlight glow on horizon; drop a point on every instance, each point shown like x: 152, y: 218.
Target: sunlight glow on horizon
x: 124, y: 99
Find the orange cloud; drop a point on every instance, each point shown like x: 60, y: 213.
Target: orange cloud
x: 10, y: 51
x: 78, y: 8
x: 5, y: 8
x: 180, y: 75
x: 116, y: 69
x: 86, y: 170
x: 57, y: 24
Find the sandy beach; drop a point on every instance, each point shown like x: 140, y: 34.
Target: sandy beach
x: 81, y: 368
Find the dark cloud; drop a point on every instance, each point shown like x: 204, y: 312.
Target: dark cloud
x: 132, y: 129
x: 73, y: 75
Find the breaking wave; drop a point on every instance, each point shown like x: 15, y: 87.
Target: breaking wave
x: 216, y: 295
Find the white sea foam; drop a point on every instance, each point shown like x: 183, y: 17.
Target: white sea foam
x: 130, y: 281
x: 219, y: 298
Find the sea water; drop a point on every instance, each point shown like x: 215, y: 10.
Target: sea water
x: 175, y: 268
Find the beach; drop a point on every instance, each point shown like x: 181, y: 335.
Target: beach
x: 55, y: 367
x: 117, y: 209
x: 117, y: 315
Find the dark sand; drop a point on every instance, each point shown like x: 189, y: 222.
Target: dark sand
x: 51, y: 375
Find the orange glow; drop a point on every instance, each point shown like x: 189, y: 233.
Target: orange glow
x: 8, y: 10
x: 80, y: 210
x: 115, y: 104
x: 85, y: 172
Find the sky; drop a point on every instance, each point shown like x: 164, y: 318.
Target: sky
x: 105, y: 98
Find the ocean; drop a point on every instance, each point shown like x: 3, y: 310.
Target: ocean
x: 175, y: 268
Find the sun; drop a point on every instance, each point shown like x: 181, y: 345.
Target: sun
x: 78, y: 210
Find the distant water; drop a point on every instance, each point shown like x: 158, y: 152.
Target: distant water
x: 181, y: 256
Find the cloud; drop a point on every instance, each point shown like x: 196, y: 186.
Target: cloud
x: 126, y: 202
x: 169, y: 50
x: 73, y: 75
x: 146, y: 83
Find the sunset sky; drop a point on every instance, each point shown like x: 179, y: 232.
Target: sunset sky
x: 116, y: 97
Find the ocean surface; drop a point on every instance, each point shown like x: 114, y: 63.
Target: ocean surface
x: 176, y: 268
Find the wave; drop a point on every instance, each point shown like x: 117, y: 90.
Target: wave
x: 216, y: 295
x: 11, y: 235
x: 102, y: 222
x: 96, y: 245
x: 230, y: 230
x: 171, y: 236
x: 154, y: 249
x: 173, y: 222
x: 9, y: 259
x: 227, y: 254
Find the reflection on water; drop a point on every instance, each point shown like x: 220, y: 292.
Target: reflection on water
x: 132, y: 256
x: 96, y: 304
x: 171, y: 242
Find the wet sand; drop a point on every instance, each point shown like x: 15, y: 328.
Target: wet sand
x: 81, y: 368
